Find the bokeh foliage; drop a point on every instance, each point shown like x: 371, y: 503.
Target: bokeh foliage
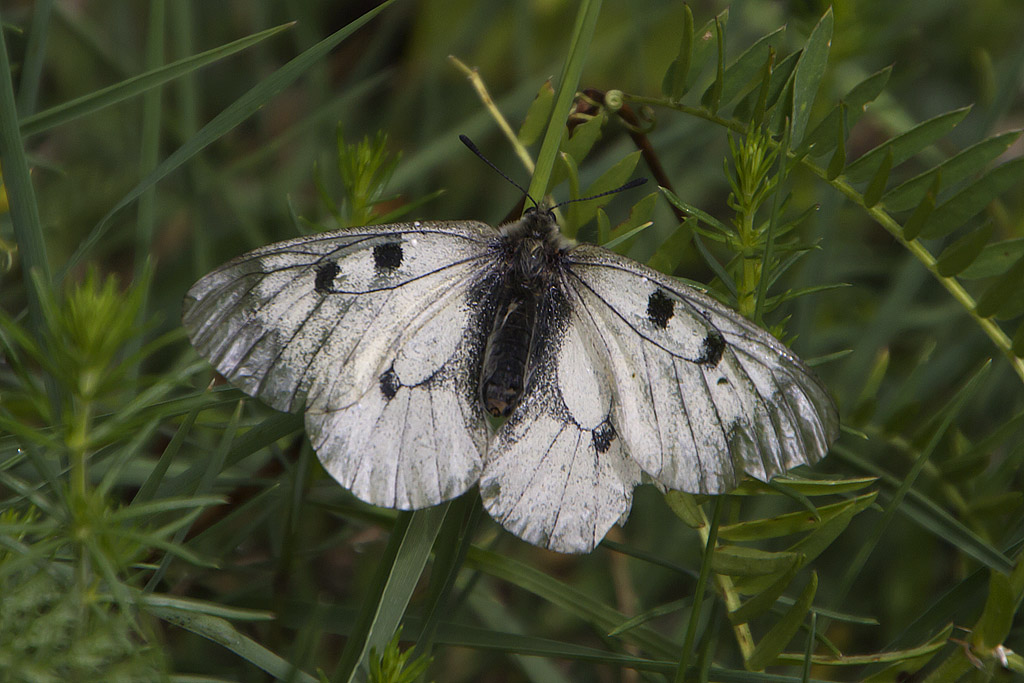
x: 850, y: 180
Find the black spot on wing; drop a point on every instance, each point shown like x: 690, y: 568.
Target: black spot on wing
x: 712, y: 349
x: 603, y: 436
x: 660, y: 308
x: 389, y: 383
x: 325, y: 274
x: 387, y: 256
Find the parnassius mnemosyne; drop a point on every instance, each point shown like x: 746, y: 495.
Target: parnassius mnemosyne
x: 396, y: 340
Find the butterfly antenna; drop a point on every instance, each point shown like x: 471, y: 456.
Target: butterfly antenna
x: 475, y: 150
x: 635, y: 182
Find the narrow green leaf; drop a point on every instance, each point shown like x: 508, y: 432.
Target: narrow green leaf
x: 713, y: 97
x: 746, y: 71
x: 580, y: 213
x: 781, y: 633
x: 239, y: 110
x: 604, y: 228
x: 136, y: 85
x: 640, y: 214
x: 781, y: 78
x: 397, y: 575
x: 674, y: 83
x: 565, y: 93
x: 1018, y: 341
x: 577, y: 147
x: 1010, y: 284
x: 915, y: 224
x: 704, y: 42
x: 809, y: 72
x: 735, y: 560
x: 764, y: 600
x: 224, y: 634
x: 973, y: 199
x: 852, y: 107
x: 667, y: 257
x: 995, y: 259
x: 905, y: 145
x: 686, y: 507
x: 877, y: 185
x: 996, y: 619
x: 806, y: 487
x: 960, y: 254
x: 765, y: 79
x: 907, y: 195
x: 653, y: 613
x: 838, y: 161
x: 23, y: 209
x: 793, y: 522
x: 537, y: 115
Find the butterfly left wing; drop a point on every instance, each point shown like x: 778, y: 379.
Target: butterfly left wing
x: 373, y: 330
x: 557, y: 474
x: 702, y: 394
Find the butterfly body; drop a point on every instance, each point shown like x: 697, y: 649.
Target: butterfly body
x: 397, y: 340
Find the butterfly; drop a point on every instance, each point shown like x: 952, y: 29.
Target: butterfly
x: 399, y: 341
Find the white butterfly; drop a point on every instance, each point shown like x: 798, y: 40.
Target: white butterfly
x: 397, y: 339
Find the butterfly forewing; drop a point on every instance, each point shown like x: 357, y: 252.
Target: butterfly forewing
x: 376, y: 332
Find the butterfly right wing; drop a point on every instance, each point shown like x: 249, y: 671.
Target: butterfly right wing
x: 374, y: 330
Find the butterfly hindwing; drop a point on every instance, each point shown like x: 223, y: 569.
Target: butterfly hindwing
x: 374, y: 331
x: 702, y: 394
x: 557, y: 474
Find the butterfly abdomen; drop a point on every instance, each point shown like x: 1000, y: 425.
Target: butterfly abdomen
x: 508, y: 350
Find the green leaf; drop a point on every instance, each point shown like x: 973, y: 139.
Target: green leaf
x: 995, y: 259
x: 793, y: 522
x: 822, y: 139
x: 838, y: 161
x: 565, y: 93
x: 686, y: 507
x: 580, y: 213
x: 765, y: 600
x: 577, y: 147
x: 669, y: 254
x: 912, y: 228
x: 771, y: 645
x: 996, y: 619
x: 782, y: 76
x: 877, y: 185
x: 744, y: 73
x: 973, y: 199
x: 905, y: 145
x: 224, y: 634
x: 640, y: 215
x: 713, y: 96
x: 704, y: 42
x: 674, y: 84
x: 537, y: 115
x: 809, y: 72
x: 955, y: 169
x: 1009, y: 286
x: 1018, y: 341
x: 398, y: 573
x: 128, y: 88
x: 806, y: 487
x: 960, y: 254
x: 735, y: 560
